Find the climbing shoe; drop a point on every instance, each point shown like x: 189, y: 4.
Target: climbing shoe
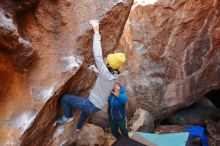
x: 63, y: 119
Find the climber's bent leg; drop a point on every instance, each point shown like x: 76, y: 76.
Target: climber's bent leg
x: 82, y: 120
x: 86, y: 109
x: 68, y: 102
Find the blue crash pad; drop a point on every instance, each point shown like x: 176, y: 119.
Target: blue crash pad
x: 171, y: 139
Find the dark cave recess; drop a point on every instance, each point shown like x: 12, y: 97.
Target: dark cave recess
x: 214, y: 96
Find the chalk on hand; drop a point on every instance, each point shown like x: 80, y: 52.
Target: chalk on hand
x: 94, y: 23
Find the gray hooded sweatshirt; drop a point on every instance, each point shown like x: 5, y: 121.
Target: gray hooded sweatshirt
x: 105, y: 80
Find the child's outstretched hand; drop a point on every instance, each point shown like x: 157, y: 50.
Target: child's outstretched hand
x: 95, y: 25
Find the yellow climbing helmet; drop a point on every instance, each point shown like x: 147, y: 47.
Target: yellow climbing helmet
x: 116, y: 60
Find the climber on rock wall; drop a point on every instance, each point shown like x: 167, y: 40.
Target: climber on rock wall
x: 116, y: 110
x: 102, y: 88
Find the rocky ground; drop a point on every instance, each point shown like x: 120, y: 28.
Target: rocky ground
x: 203, y: 113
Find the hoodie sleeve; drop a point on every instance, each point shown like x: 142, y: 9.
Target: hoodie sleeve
x: 122, y: 98
x: 97, y: 52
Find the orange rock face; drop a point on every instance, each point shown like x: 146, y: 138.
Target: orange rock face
x: 45, y: 48
x: 173, y: 50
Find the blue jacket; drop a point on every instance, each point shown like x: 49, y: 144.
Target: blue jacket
x: 116, y: 105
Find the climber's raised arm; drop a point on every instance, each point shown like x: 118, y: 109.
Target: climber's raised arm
x: 97, y: 51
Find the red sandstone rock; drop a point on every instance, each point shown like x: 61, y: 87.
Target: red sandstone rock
x: 61, y: 36
x: 15, y: 50
x: 164, y: 129
x: 173, y: 53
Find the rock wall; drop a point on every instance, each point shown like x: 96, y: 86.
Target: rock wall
x: 173, y: 51
x: 45, y: 48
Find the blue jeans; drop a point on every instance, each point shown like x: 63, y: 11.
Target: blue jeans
x: 71, y: 101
